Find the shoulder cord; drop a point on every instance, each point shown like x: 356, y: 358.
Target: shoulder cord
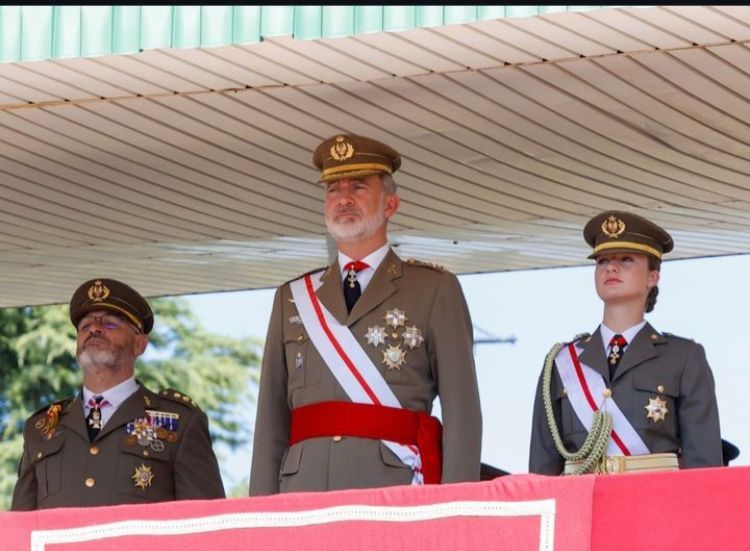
x: 596, y: 442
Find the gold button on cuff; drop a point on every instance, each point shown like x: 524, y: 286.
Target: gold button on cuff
x: 94, y: 450
x: 660, y: 389
x: 607, y: 393
x: 337, y: 438
x: 90, y: 482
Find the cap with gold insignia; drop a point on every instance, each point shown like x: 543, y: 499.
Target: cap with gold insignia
x: 351, y: 156
x: 110, y: 294
x: 615, y: 231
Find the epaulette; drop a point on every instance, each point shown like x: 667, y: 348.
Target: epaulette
x: 673, y: 336
x: 179, y: 397
x: 582, y: 337
x: 433, y: 265
x: 62, y: 403
x: 316, y: 270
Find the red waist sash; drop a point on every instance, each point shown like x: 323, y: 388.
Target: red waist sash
x: 377, y: 422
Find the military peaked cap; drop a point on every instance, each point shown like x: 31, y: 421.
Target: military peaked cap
x: 350, y: 156
x: 615, y: 231
x: 110, y: 294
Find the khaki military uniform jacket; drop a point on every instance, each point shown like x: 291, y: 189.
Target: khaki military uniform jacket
x: 66, y: 470
x: 691, y: 426
x: 293, y: 375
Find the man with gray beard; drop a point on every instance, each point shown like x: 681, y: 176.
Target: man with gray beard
x: 357, y: 352
x: 116, y: 442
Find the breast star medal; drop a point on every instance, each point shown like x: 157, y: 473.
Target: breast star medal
x: 395, y: 318
x: 394, y: 358
x: 413, y: 337
x: 142, y: 476
x: 375, y: 335
x: 656, y: 409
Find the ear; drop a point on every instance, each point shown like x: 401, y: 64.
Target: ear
x: 653, y: 278
x: 140, y: 344
x: 391, y: 205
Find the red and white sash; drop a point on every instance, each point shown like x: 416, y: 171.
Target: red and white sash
x: 348, y: 361
x: 585, y: 389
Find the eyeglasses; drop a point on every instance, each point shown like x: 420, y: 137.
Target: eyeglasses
x: 110, y: 322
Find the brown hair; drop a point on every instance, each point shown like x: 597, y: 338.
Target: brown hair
x: 653, y: 264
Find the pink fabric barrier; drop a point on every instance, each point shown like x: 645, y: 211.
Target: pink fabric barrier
x: 699, y: 509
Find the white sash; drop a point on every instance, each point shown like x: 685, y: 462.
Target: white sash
x: 585, y: 388
x: 347, y: 360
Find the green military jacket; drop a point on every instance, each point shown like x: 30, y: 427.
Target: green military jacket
x: 653, y: 362
x: 61, y: 468
x: 293, y: 375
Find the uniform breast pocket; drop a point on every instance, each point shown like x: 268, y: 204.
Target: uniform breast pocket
x: 655, y: 404
x: 144, y: 474
x: 571, y: 424
x: 48, y: 462
x: 300, y: 370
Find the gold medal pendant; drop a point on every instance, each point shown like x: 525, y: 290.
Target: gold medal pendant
x: 142, y: 477
x: 656, y: 409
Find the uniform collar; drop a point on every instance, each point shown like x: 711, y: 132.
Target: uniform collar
x: 115, y: 395
x: 629, y: 334
x: 373, y: 260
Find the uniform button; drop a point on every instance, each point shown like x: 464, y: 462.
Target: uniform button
x: 94, y: 450
x: 39, y: 455
x: 145, y: 453
x: 90, y: 482
x: 300, y: 338
x: 607, y: 393
x: 660, y: 389
x: 565, y: 392
x: 337, y: 438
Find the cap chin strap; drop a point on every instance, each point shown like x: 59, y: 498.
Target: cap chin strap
x: 627, y: 245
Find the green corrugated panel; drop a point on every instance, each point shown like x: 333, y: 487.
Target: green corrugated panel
x: 338, y: 21
x: 308, y: 22
x: 216, y: 25
x: 96, y: 30
x: 460, y: 14
x: 42, y: 32
x: 66, y: 31
x: 126, y: 30
x: 430, y: 16
x: 371, y: 19
x: 187, y: 27
x: 246, y: 29
x: 276, y: 20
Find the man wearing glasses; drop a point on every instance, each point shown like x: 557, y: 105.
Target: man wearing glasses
x: 116, y: 442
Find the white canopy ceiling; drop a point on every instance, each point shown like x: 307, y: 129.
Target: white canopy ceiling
x: 189, y: 170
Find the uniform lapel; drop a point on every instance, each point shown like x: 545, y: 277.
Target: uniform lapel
x: 593, y: 353
x: 380, y: 287
x: 641, y: 349
x: 331, y: 293
x: 74, y: 419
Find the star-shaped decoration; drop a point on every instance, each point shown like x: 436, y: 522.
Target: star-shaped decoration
x: 395, y: 318
x: 375, y: 335
x: 394, y: 358
x: 142, y: 476
x: 657, y: 409
x: 413, y: 337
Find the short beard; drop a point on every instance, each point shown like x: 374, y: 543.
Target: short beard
x: 358, y: 230
x: 92, y: 360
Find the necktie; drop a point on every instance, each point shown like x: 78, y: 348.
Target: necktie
x: 94, y: 418
x: 352, y: 289
x: 616, y: 350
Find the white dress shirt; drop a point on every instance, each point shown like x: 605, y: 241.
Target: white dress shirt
x: 115, y: 396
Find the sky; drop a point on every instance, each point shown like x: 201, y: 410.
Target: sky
x: 703, y: 299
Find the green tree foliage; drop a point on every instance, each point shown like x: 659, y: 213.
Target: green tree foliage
x: 37, y: 367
